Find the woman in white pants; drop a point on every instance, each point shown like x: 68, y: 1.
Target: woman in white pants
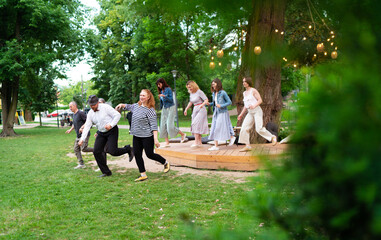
x: 252, y: 99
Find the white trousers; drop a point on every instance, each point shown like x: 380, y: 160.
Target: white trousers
x: 254, y: 116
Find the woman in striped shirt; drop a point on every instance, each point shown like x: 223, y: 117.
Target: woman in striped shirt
x: 144, y: 131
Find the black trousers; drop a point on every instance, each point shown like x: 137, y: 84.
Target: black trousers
x: 111, y: 139
x: 147, y: 144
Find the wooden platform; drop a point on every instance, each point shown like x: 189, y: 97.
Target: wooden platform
x: 228, y: 157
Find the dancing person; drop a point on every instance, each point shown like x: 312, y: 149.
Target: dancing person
x: 168, y: 113
x: 106, y: 119
x: 79, y: 119
x: 144, y: 131
x: 199, y: 123
x: 221, y: 129
x: 252, y: 99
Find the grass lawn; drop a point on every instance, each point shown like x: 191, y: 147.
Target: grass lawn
x: 43, y: 197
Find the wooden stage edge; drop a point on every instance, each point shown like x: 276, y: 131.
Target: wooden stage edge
x: 228, y: 157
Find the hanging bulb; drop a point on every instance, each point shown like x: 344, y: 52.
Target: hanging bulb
x: 220, y: 53
x: 212, y: 65
x: 257, y: 50
x: 334, y: 55
x: 320, y: 47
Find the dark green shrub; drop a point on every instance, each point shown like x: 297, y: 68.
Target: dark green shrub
x: 331, y: 187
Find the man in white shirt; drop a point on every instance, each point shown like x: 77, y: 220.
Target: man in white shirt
x: 105, y: 118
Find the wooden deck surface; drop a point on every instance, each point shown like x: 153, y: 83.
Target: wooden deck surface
x: 228, y: 157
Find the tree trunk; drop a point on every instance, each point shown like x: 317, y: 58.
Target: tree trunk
x: 39, y: 114
x: 265, y: 69
x: 28, y: 115
x: 9, y: 97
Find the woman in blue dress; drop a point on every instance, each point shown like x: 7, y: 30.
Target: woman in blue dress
x: 221, y: 129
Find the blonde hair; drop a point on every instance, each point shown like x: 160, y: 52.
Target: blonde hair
x: 193, y: 84
x: 151, y: 99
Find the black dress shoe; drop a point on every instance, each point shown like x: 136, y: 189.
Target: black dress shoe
x: 105, y: 175
x: 130, y: 152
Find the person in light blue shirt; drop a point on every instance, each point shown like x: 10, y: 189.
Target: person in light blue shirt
x: 221, y: 129
x: 168, y: 113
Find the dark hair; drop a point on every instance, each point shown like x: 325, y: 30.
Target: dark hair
x: 249, y: 81
x: 164, y: 84
x: 219, y: 85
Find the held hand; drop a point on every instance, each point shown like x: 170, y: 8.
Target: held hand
x: 95, y: 135
x: 68, y: 131
x: 120, y: 107
x: 80, y: 142
x: 218, y: 105
x: 185, y: 112
x: 108, y: 127
x: 157, y: 143
x: 161, y: 95
x: 252, y: 107
x: 81, y: 130
x: 239, y: 117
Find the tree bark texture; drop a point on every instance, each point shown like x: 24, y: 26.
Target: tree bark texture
x: 265, y: 68
x: 9, y: 97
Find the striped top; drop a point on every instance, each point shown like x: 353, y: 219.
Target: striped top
x: 144, y: 120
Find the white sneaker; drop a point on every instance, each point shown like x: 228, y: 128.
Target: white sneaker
x: 80, y: 166
x: 232, y: 141
x: 214, y: 148
x: 97, y: 170
x: 165, y: 146
x: 245, y: 149
x: 194, y: 145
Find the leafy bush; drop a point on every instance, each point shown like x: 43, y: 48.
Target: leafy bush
x: 330, y: 187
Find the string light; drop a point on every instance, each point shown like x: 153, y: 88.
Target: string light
x: 220, y: 53
x: 304, y: 38
x: 309, y: 26
x: 214, y: 47
x: 276, y: 30
x: 235, y: 48
x: 210, y: 50
x: 257, y: 50
x: 332, y: 32
x: 295, y: 65
x: 219, y: 64
x: 281, y: 33
x: 328, y: 39
x: 285, y: 59
x: 320, y: 47
x: 212, y: 58
x: 332, y: 43
x: 325, y: 53
x: 333, y: 36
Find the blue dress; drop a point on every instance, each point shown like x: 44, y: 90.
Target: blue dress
x: 221, y: 129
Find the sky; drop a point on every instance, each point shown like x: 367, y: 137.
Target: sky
x: 82, y: 69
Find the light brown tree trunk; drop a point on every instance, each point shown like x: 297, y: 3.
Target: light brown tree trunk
x: 265, y: 69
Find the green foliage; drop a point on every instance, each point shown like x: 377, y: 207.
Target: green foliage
x: 74, y: 92
x: 291, y: 79
x: 330, y: 187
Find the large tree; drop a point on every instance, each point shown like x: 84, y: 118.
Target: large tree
x: 33, y: 35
